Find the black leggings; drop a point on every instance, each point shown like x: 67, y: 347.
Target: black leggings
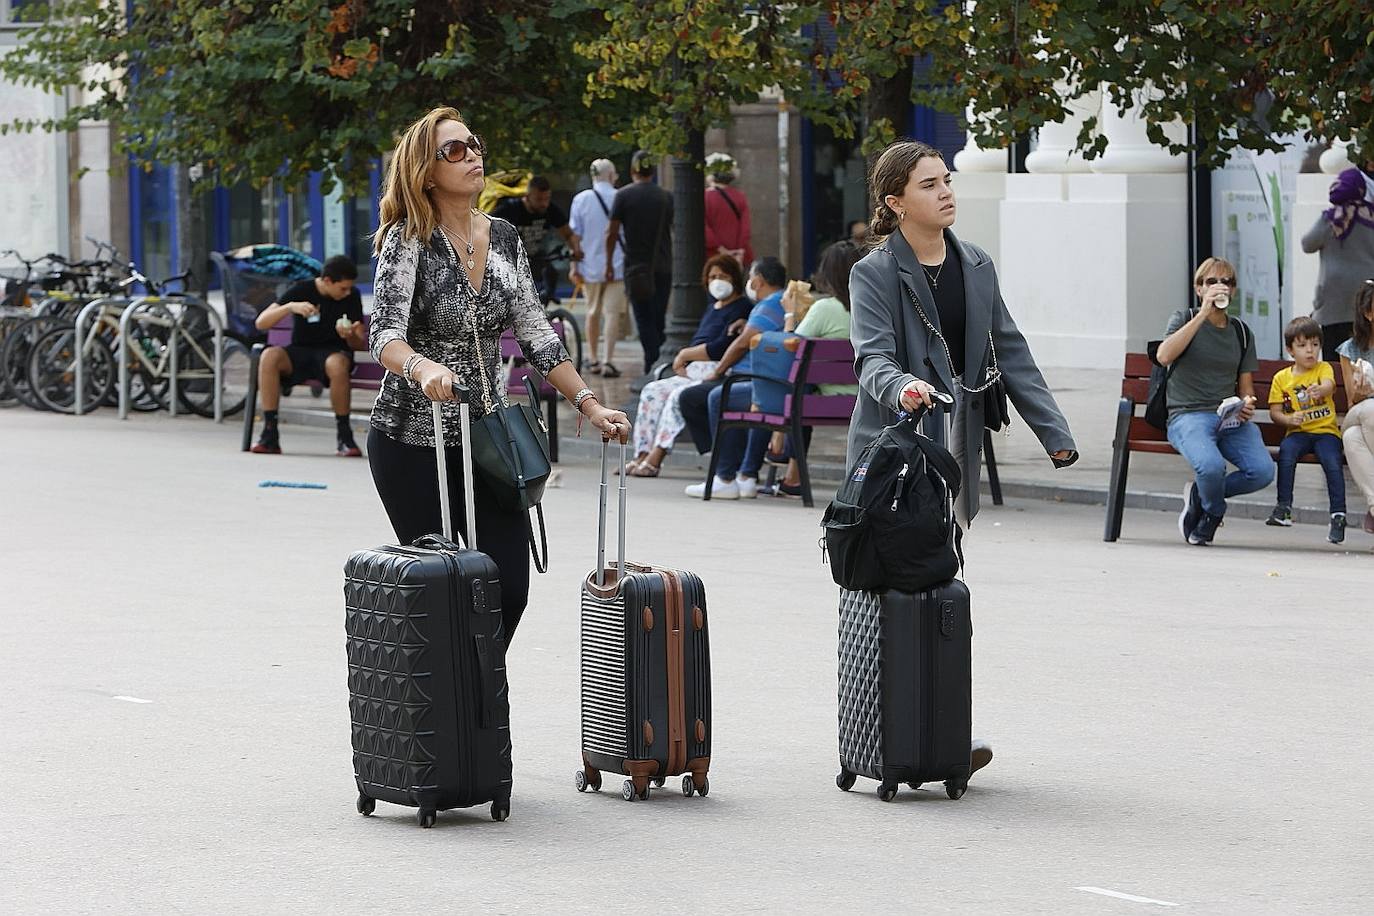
x: 408, y: 482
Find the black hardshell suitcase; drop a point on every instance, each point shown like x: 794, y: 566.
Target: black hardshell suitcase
x: 906, y: 688
x: 646, y: 671
x: 428, y: 695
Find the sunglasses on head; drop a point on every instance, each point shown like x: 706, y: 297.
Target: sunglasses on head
x: 1213, y: 281
x: 457, y: 150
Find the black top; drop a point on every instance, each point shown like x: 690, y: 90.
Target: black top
x: 714, y: 329
x: 948, y: 292
x: 641, y: 207
x: 321, y: 333
x: 537, y: 230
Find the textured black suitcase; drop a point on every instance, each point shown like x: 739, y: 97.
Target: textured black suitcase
x: 428, y: 696
x: 906, y: 688
x: 646, y: 671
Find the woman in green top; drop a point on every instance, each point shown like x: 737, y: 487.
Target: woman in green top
x: 827, y: 319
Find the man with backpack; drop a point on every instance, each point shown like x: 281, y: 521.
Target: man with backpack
x: 604, y: 284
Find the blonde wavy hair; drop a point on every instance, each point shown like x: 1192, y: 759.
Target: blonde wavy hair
x: 404, y: 198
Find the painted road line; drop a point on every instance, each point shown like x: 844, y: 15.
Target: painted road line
x: 1120, y: 896
x: 131, y: 699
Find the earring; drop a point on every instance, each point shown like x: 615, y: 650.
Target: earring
x: 901, y: 215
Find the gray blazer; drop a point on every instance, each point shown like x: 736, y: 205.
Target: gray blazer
x: 893, y: 347
x: 1341, y: 271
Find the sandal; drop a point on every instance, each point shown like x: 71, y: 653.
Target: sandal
x: 645, y: 469
x: 629, y: 467
x: 594, y: 368
x: 608, y: 370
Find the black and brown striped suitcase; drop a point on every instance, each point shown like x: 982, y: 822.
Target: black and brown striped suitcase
x: 646, y: 671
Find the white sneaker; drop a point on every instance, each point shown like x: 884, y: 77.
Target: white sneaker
x: 723, y: 489
x: 748, y: 487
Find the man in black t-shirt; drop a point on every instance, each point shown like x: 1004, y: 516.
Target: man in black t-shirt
x: 646, y: 212
x: 538, y: 219
x: 327, y: 328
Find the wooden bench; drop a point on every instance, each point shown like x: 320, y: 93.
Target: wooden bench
x: 1133, y: 434
x: 817, y: 362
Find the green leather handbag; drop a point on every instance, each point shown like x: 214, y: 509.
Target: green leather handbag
x: 510, y: 449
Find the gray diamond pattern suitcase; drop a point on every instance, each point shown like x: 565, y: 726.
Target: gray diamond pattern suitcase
x: 428, y: 696
x: 905, y: 686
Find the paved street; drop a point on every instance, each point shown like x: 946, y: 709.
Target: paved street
x: 1186, y: 726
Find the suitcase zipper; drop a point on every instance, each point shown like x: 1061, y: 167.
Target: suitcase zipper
x: 456, y: 640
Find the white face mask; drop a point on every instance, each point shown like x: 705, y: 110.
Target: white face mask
x: 750, y: 291
x: 720, y: 289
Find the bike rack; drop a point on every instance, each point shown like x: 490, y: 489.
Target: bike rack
x: 186, y: 304
x: 81, y: 320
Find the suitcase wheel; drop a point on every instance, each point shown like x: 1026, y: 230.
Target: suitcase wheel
x: 845, y: 780
x: 366, y: 805
x: 627, y: 791
x: 689, y: 786
x: 426, y: 817
x: 500, y: 811
x: 658, y: 783
x: 584, y: 780
x: 887, y: 791
x: 915, y: 785
x: 955, y: 790
x: 704, y: 787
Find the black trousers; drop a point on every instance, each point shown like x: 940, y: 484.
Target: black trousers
x: 651, y: 317
x: 407, y: 480
x: 697, y: 414
x: 1333, y: 335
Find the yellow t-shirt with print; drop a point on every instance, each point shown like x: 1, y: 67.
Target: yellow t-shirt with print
x: 1317, y: 416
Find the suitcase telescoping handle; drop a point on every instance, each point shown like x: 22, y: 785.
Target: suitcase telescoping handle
x: 465, y: 429
x: 941, y: 401
x: 601, y: 517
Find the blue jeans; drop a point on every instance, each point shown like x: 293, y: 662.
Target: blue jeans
x: 741, y: 450
x: 1327, y: 448
x: 1197, y: 439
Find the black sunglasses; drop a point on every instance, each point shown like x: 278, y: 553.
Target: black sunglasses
x: 1213, y: 281
x: 461, y: 147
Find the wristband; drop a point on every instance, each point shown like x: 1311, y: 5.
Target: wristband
x: 582, y: 396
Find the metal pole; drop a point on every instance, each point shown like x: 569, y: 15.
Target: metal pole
x: 79, y: 407
x: 122, y: 354
x: 172, y: 350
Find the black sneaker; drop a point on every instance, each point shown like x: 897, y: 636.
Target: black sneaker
x: 1205, y: 530
x: 1281, y: 517
x: 1336, y: 533
x: 1191, y: 514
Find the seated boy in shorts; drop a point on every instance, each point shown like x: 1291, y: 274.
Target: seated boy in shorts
x: 328, y: 327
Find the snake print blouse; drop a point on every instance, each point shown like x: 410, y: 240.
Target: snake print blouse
x: 423, y: 295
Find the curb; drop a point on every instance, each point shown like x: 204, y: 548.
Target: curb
x: 831, y: 472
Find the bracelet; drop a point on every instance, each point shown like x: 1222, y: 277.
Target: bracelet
x: 582, y: 396
x: 408, y: 367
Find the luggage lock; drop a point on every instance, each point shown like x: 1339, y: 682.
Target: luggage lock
x: 947, y: 619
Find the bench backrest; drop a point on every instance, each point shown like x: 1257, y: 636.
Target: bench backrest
x: 824, y: 362
x: 510, y: 350
x: 367, y: 372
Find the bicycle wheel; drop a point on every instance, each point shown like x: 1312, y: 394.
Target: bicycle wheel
x: 8, y: 324
x: 52, y: 371
x: 196, y: 375
x: 149, y: 389
x: 14, y: 357
x: 572, y: 339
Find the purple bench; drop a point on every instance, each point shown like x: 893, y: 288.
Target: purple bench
x: 367, y: 373
x: 817, y: 362
x: 520, y: 370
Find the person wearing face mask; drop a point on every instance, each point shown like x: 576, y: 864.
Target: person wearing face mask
x: 742, y: 454
x: 660, y: 420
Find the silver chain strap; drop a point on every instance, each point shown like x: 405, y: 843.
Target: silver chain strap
x: 488, y: 400
x: 994, y: 373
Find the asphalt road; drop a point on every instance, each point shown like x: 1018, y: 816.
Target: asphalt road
x: 1182, y: 725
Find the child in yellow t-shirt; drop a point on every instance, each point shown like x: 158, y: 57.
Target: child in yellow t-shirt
x: 1300, y: 400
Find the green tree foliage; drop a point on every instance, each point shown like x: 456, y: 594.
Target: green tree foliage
x: 254, y: 90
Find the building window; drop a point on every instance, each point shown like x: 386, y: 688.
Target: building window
x: 253, y: 215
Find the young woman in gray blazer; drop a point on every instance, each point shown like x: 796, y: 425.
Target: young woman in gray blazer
x: 928, y: 315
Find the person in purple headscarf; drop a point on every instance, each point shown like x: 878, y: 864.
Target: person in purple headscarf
x: 1343, y: 237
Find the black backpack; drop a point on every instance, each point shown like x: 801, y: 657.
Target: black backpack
x: 1157, y: 402
x: 891, y: 525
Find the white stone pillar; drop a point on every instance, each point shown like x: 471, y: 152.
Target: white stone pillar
x: 973, y: 158
x: 1054, y: 151
x: 1337, y: 158
x: 1129, y: 149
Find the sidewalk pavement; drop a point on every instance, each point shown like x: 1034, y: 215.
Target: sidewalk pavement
x: 176, y: 736
x: 1088, y: 398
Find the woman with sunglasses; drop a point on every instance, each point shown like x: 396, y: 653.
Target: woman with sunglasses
x: 1211, y: 357
x: 450, y: 281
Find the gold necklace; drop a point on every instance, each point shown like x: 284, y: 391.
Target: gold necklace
x: 472, y: 264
